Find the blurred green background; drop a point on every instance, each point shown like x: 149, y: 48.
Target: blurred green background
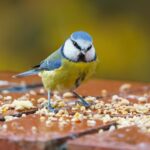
x: 31, y: 29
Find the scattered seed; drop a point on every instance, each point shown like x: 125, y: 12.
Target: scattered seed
x: 32, y: 92
x: 125, y: 87
x: 8, y: 98
x: 112, y: 128
x: 34, y: 129
x: 68, y: 95
x: 91, y: 123
x: 104, y: 93
x: 23, y: 115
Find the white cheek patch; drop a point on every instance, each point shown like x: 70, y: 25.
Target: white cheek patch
x: 70, y: 51
x: 90, y: 55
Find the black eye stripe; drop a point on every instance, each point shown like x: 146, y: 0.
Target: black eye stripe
x: 89, y: 47
x: 76, y: 45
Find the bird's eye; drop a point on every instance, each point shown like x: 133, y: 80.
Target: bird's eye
x: 89, y: 47
x: 76, y: 45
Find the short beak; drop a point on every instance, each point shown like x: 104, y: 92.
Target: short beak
x: 81, y: 56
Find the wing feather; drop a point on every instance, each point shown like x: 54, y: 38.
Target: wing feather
x: 54, y: 61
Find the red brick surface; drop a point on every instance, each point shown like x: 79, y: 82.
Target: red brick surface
x: 19, y: 134
x: 129, y: 138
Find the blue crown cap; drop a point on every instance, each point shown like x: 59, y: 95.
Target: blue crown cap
x: 81, y: 35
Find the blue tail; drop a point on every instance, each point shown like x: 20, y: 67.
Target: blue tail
x: 27, y: 73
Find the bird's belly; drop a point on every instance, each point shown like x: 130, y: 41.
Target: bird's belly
x: 66, y: 78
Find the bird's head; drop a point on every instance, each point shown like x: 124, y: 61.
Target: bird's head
x: 79, y: 47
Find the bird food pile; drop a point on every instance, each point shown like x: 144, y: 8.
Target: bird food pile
x: 118, y: 116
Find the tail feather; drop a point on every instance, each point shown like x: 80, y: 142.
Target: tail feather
x: 27, y: 73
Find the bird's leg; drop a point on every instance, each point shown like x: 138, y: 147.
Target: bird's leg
x: 49, y: 106
x: 86, y: 104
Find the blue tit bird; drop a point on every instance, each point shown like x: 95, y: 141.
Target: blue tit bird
x: 66, y: 68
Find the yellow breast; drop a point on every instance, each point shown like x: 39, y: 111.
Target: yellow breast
x: 68, y: 76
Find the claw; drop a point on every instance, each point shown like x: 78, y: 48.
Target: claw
x: 50, y: 108
x: 86, y: 104
x: 82, y: 101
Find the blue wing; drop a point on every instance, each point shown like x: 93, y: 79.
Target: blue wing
x: 51, y: 63
x: 54, y: 61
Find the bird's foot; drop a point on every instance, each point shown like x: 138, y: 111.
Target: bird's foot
x: 50, y: 108
x: 83, y: 102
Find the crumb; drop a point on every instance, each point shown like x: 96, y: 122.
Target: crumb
x: 41, y: 100
x: 32, y: 92
x: 98, y: 106
x: 62, y: 124
x: 57, y: 97
x: 124, y: 102
x: 77, y: 117
x: 91, y: 123
x: 42, y: 118
x: 96, y: 116
x: 9, y: 118
x: 7, y: 98
x: 4, y: 108
x: 104, y: 93
x: 53, y: 118
x: 21, y: 104
x: 5, y: 92
x: 68, y: 95
x: 24, y: 97
x: 48, y: 122
x: 115, y: 98
x: 42, y: 91
x: 88, y: 111
x: 112, y: 128
x: 100, y: 131
x: 125, y: 87
x: 141, y: 108
x: 82, y: 108
x: 34, y: 129
x: 45, y: 112
x: 90, y: 99
x: 23, y: 115
x: 61, y: 104
x: 142, y: 99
